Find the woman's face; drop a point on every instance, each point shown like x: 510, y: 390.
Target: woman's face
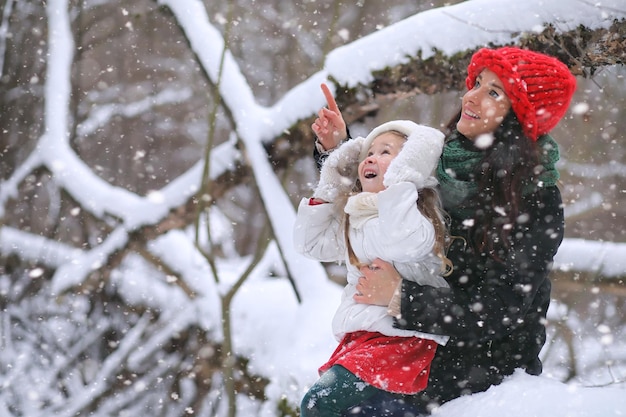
x: 383, y: 149
x: 484, y: 106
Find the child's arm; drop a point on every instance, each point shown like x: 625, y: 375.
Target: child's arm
x: 405, y: 234
x: 318, y: 232
x: 339, y: 172
x: 319, y: 227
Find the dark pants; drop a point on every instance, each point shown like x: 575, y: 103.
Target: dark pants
x: 340, y: 393
x: 386, y: 404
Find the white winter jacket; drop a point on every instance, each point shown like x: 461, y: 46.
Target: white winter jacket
x: 386, y: 225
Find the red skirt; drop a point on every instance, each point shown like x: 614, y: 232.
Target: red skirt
x: 393, y: 364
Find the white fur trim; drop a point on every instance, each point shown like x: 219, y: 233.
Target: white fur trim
x: 403, y: 126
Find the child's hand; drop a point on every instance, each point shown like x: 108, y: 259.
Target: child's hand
x: 329, y: 127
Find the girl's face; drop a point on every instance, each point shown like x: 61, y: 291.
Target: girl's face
x: 383, y: 149
x: 484, y: 106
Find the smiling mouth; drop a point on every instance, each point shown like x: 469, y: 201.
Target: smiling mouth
x: 369, y: 175
x: 471, y: 114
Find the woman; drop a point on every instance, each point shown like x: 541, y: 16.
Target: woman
x: 497, y: 180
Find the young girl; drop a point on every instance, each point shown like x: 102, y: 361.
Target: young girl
x: 391, y: 212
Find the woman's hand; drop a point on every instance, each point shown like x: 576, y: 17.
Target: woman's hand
x: 329, y: 127
x: 378, y: 283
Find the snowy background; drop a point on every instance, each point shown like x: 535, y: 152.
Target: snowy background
x: 281, y: 326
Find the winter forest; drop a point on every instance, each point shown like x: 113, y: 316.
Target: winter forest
x: 152, y: 156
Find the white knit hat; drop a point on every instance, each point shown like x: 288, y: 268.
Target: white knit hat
x: 417, y: 158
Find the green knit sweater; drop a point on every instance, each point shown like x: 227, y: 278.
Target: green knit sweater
x: 458, y: 162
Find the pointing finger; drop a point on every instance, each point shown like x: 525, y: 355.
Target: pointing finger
x: 330, y: 99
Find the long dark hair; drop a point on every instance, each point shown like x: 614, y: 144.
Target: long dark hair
x: 509, y: 169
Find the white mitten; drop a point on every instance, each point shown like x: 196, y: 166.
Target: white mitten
x: 418, y: 158
x: 339, y: 172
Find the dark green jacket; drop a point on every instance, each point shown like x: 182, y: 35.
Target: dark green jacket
x: 494, y: 312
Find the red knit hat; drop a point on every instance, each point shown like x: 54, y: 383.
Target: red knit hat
x: 539, y: 86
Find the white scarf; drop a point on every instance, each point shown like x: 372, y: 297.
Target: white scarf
x: 361, y: 207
